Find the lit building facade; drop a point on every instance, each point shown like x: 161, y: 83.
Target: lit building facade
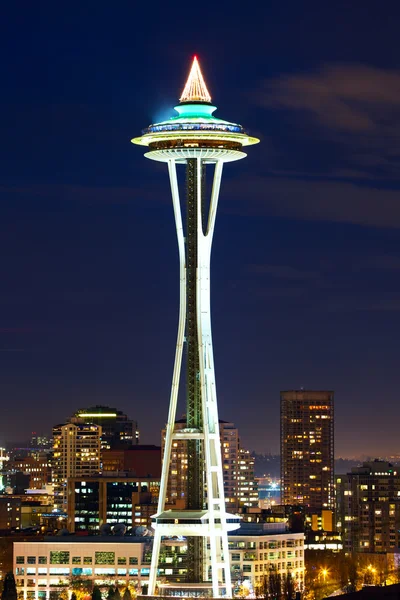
x: 240, y: 485
x: 198, y: 140
x: 368, y: 508
x: 307, y: 449
x: 37, y: 466
x: 42, y: 568
x: 116, y: 428
x: 76, y: 453
x: 10, y: 512
x: 255, y: 550
x: 93, y: 501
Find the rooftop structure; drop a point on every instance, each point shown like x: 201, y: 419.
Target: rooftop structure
x: 117, y: 430
x: 196, y: 139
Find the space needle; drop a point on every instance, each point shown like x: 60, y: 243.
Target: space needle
x: 200, y: 142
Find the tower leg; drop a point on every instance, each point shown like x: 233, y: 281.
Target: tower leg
x: 176, y: 374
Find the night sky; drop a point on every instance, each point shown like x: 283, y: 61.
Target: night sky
x: 306, y: 259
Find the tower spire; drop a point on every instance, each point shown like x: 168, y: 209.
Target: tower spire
x: 195, y: 89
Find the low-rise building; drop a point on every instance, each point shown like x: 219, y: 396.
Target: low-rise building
x: 118, y: 498
x: 41, y: 568
x: 10, y: 512
x: 256, y: 549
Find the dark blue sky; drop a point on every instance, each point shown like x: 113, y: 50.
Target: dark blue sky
x: 306, y: 260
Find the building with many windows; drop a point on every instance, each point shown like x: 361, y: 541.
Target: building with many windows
x: 37, y: 466
x: 76, y: 453
x: 307, y: 449
x: 368, y: 507
x: 47, y: 566
x: 257, y: 549
x: 240, y: 485
x: 42, y: 568
x: 94, y: 501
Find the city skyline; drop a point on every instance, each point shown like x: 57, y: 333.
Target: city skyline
x: 312, y: 288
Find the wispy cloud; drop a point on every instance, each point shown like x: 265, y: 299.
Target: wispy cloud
x: 353, y: 108
x: 341, y: 202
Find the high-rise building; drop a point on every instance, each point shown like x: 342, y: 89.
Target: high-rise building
x: 368, y: 508
x: 307, y: 451
x: 196, y: 139
x: 240, y: 486
x: 117, y: 430
x: 76, y: 453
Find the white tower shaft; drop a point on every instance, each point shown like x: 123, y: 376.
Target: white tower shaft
x: 212, y: 523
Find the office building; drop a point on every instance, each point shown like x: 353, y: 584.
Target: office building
x: 117, y: 430
x: 307, y: 450
x: 76, y: 453
x: 94, y: 501
x: 45, y: 568
x: 368, y: 507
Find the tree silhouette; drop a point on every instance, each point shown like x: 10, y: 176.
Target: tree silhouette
x: 274, y: 585
x: 96, y: 594
x: 288, y: 586
x: 127, y: 594
x: 117, y: 595
x: 111, y: 592
x: 9, y: 589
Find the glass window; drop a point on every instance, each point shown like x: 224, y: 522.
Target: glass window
x: 133, y: 571
x: 58, y: 571
x: 121, y: 571
x: 104, y: 571
x: 31, y: 560
x: 19, y: 571
x: 42, y: 560
x: 20, y: 560
x: 132, y: 560
x: 236, y: 557
x: 104, y: 558
x: 42, y: 571
x: 87, y: 560
x: 246, y: 568
x: 59, y: 557
x: 31, y: 571
x: 122, y: 560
